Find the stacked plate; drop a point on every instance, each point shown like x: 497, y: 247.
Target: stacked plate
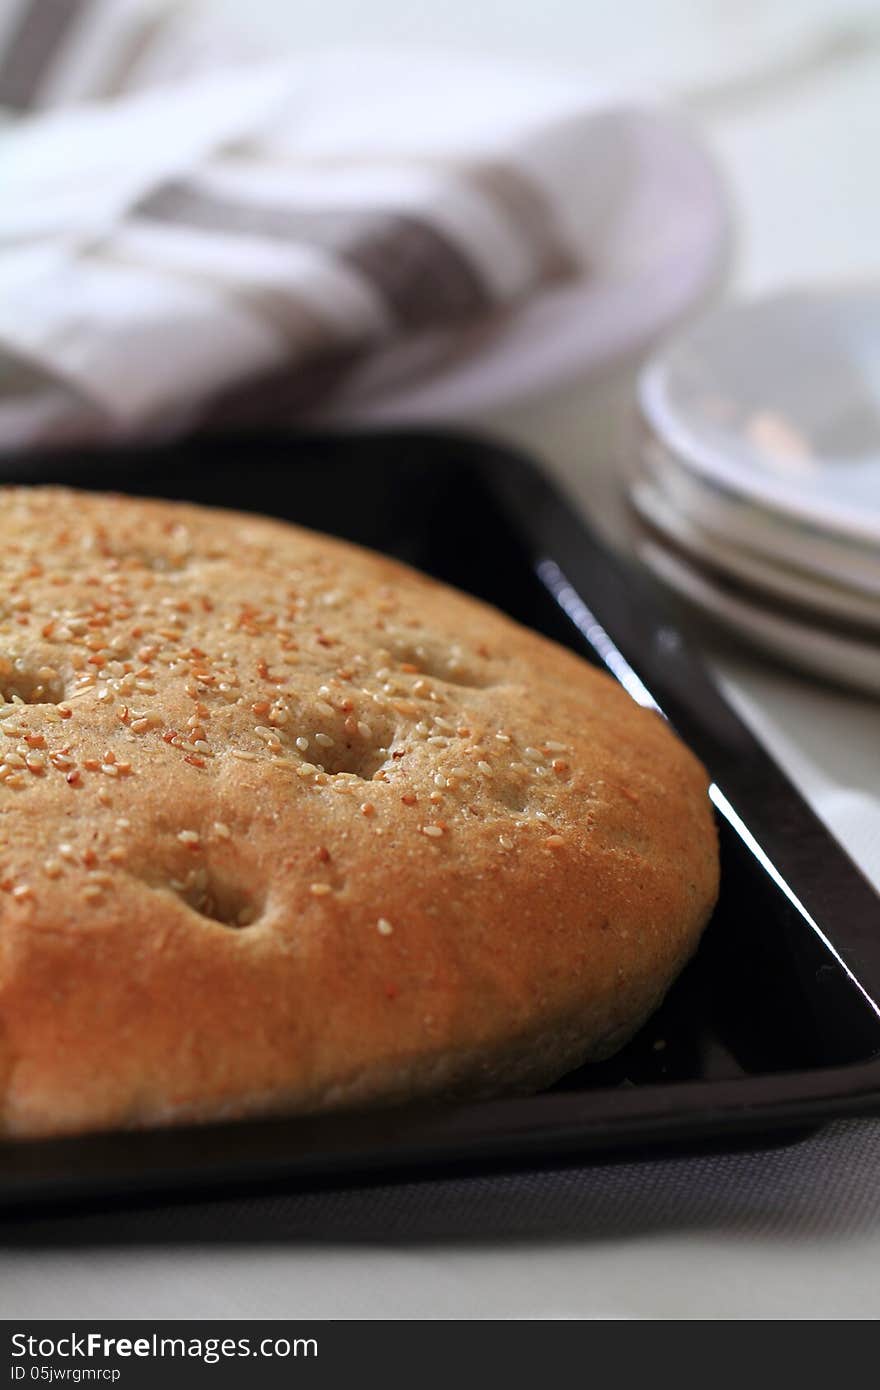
x: 758, y: 493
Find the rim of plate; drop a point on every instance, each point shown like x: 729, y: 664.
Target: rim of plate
x: 814, y: 595
x: 667, y: 422
x: 845, y: 663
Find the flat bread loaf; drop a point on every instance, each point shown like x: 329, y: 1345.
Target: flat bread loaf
x: 286, y: 826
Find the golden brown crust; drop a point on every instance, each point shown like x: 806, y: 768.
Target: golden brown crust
x: 501, y: 867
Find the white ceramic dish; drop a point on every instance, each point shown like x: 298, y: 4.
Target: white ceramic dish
x: 823, y: 599
x: 740, y: 519
x: 778, y: 400
x: 837, y: 659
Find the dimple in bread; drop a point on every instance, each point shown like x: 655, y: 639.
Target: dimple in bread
x: 286, y: 826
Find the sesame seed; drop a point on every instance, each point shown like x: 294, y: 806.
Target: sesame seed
x: 367, y: 808
x: 190, y: 838
x: 505, y: 842
x: 554, y: 841
x: 52, y: 868
x: 433, y: 831
x: 439, y: 779
x: 22, y: 891
x: 534, y: 754
x: 484, y: 768
x: 324, y: 740
x: 320, y: 890
x: 302, y: 743
x: 222, y: 830
x: 384, y: 927
x: 123, y: 824
x: 553, y: 747
x: 503, y: 738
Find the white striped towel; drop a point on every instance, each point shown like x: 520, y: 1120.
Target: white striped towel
x: 191, y: 232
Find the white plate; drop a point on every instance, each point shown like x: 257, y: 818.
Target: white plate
x: 844, y: 662
x: 779, y: 400
x: 781, y: 581
x: 738, y: 518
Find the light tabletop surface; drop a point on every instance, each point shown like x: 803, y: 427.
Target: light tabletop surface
x: 785, y: 94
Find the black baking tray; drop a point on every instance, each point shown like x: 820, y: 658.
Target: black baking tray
x: 775, y: 1025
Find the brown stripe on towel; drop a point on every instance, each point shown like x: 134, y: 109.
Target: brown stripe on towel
x: 422, y: 276
x: 37, y: 41
x: 307, y: 335
x: 525, y: 206
x: 285, y: 396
